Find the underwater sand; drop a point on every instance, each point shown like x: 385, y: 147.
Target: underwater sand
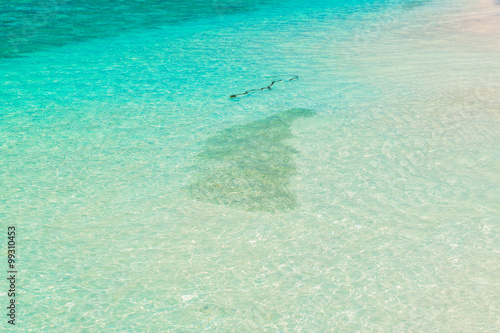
x: 361, y: 197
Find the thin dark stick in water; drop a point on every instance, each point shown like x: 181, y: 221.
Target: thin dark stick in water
x: 295, y: 77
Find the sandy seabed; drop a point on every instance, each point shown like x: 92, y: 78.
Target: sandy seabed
x: 483, y: 19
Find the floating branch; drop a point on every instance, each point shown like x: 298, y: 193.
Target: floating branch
x: 294, y: 77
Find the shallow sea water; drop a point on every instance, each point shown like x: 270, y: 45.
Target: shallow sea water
x: 361, y: 197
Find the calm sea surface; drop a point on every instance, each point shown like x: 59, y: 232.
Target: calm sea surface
x: 359, y: 194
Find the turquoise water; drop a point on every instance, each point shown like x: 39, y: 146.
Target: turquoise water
x: 361, y: 197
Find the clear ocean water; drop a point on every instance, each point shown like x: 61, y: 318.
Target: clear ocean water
x: 361, y: 197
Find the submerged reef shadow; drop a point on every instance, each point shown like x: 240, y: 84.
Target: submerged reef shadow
x: 249, y: 166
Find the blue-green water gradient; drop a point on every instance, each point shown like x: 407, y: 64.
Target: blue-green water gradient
x: 361, y: 197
